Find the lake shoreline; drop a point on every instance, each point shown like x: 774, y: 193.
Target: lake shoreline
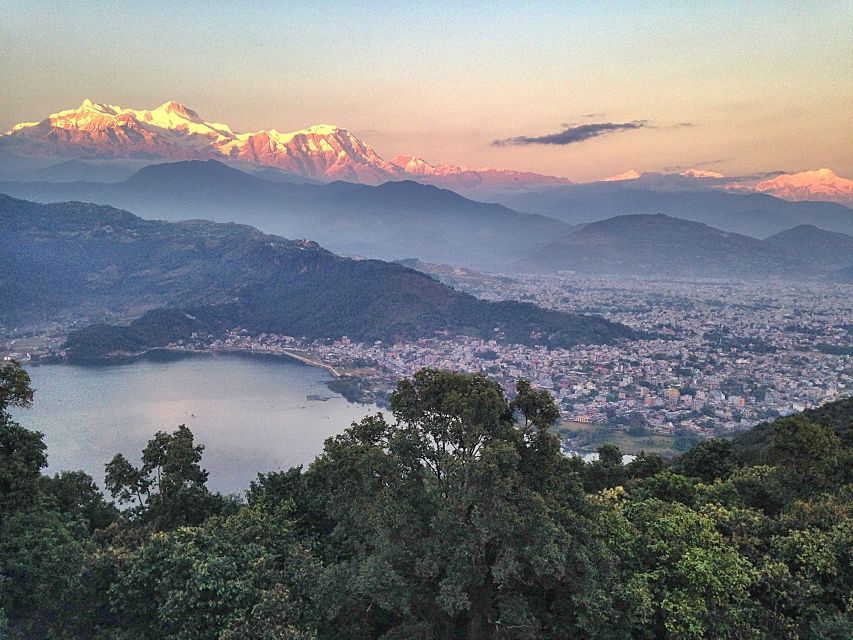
x: 153, y: 354
x: 352, y: 392
x: 254, y: 412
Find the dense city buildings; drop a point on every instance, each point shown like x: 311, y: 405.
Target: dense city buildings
x: 716, y: 357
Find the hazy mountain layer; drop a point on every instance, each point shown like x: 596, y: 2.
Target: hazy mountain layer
x: 823, y: 248
x: 660, y: 245
x: 757, y: 215
x: 70, y: 258
x: 392, y: 221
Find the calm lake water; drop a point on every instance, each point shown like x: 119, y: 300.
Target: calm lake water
x: 251, y: 413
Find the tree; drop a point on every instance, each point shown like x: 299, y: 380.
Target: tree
x: 22, y: 457
x: 807, y: 449
x: 42, y: 567
x: 243, y: 576
x: 169, y: 489
x: 698, y: 579
x: 645, y: 465
x: 76, y: 494
x: 609, y: 454
x: 709, y: 460
x: 22, y: 452
x: 606, y: 472
x: 445, y: 526
x: 15, y: 388
x: 536, y: 406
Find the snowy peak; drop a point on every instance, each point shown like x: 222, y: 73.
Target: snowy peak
x: 177, y: 109
x: 413, y: 165
x: 820, y: 184
x: 417, y: 166
x: 321, y: 152
x: 630, y: 174
x: 701, y: 173
x: 807, y: 179
x: 470, y: 181
x: 88, y: 116
x: 173, y: 131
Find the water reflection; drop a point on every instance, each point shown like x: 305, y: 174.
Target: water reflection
x: 252, y: 414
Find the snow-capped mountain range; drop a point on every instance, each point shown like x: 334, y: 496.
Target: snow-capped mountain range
x: 172, y: 131
x: 820, y: 185
x: 325, y: 153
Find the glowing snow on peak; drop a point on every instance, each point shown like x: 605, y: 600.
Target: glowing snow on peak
x: 820, y: 184
x: 630, y: 174
x: 700, y: 173
x: 173, y: 131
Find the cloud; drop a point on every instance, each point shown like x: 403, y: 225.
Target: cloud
x: 695, y: 165
x: 760, y: 175
x: 571, y: 135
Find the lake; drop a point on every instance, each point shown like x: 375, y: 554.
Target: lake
x: 252, y: 413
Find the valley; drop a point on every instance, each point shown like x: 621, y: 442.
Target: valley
x: 426, y: 321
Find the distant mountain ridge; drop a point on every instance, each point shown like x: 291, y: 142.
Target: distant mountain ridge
x: 659, y: 245
x: 172, y: 131
x: 391, y: 221
x: 106, y: 134
x: 755, y: 214
x: 821, y: 185
x: 70, y: 260
x: 824, y: 248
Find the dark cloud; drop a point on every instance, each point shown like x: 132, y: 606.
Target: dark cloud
x: 571, y: 135
x: 760, y: 175
x: 694, y: 165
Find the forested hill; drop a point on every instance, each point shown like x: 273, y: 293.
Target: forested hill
x: 753, y: 446
x: 458, y: 519
x: 71, y: 258
x: 659, y: 245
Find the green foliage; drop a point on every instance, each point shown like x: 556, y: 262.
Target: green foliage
x: 169, y: 489
x: 709, y: 460
x: 15, y: 389
x: 804, y: 447
x: 42, y: 568
x: 22, y: 456
x: 525, y: 560
x: 232, y: 577
x: 76, y: 494
x: 645, y: 465
x: 460, y: 518
x: 22, y: 452
x: 699, y: 581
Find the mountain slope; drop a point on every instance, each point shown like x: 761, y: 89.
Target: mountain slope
x: 391, y: 221
x: 172, y: 131
x: 825, y: 248
x: 67, y: 260
x: 664, y: 246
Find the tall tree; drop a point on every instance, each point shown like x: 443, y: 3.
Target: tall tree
x: 446, y: 529
x: 169, y: 489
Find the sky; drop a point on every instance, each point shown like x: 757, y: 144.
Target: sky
x: 582, y: 90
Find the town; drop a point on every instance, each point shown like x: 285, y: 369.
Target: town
x: 715, y: 357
